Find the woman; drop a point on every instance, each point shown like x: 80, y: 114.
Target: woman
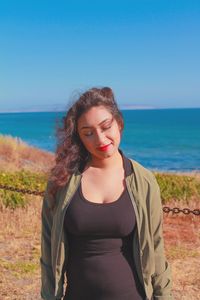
x: 101, y: 214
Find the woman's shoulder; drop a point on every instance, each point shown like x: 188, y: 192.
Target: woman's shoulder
x: 142, y: 172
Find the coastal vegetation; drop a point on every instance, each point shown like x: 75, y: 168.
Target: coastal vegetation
x: 20, y: 180
x: 173, y: 187
x: 178, y: 187
x: 17, y: 155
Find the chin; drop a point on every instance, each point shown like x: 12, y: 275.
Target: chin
x: 109, y: 153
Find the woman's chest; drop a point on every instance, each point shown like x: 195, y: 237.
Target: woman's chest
x: 86, y: 218
x: 103, y: 188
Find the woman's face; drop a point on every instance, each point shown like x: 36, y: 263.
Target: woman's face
x: 99, y: 132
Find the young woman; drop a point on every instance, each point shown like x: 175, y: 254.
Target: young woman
x: 101, y: 214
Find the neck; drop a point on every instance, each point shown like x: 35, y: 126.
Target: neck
x: 111, y: 162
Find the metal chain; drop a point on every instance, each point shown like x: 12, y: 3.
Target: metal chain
x: 166, y: 209
x: 177, y: 210
x: 23, y: 191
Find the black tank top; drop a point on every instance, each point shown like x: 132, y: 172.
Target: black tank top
x: 100, y: 264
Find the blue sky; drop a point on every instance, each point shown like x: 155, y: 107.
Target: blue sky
x: 147, y: 51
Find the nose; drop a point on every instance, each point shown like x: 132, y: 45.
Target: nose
x: 100, y: 138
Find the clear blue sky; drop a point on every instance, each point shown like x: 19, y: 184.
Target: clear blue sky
x: 147, y: 51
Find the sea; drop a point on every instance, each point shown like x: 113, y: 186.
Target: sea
x: 159, y: 139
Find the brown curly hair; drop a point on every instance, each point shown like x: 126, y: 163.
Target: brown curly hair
x: 71, y: 154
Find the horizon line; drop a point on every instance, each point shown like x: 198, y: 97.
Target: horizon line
x: 121, y: 108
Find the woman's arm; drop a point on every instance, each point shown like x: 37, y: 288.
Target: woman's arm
x: 161, y: 280
x: 47, y: 277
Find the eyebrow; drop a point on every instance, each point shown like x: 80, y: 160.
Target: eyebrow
x: 85, y: 127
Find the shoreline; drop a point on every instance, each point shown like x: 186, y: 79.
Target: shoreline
x: 193, y: 173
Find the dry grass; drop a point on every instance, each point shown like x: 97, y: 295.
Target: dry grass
x: 20, y: 252
x: 17, y: 155
x: 182, y: 244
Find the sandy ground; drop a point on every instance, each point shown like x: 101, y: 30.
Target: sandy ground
x: 20, y: 252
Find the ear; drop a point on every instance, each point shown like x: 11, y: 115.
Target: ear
x: 120, y: 125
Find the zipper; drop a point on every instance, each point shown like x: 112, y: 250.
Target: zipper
x: 137, y: 221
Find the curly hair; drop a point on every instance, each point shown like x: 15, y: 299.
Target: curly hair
x: 71, y: 154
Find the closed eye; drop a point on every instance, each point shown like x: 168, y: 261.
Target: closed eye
x: 89, y: 133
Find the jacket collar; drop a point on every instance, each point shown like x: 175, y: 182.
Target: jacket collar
x: 128, y: 167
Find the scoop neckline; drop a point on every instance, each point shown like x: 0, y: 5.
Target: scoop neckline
x: 109, y: 203
x: 99, y: 204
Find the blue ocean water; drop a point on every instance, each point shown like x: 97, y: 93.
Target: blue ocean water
x: 160, y: 139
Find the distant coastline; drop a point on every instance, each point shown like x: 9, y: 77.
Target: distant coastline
x: 123, y: 107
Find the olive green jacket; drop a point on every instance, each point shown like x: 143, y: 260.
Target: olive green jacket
x: 148, y: 246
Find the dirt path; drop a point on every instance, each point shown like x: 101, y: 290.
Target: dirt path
x: 20, y: 252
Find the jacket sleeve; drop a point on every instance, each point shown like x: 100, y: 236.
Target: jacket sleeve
x: 161, y: 280
x: 47, y: 277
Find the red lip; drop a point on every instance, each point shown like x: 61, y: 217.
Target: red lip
x: 103, y: 148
